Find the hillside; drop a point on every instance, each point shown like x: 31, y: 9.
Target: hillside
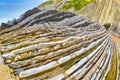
x: 102, y: 11
x: 76, y: 5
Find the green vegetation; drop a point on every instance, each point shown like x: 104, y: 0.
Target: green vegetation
x: 77, y: 4
x: 46, y: 3
x: 67, y: 67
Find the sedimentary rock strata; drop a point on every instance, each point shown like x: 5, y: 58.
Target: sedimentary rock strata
x: 56, y: 45
x: 102, y: 11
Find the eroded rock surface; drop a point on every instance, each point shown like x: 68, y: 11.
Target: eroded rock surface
x: 118, y: 31
x: 102, y: 11
x: 56, y: 45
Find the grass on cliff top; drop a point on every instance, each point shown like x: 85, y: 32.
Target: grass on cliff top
x: 113, y: 67
x: 77, y: 4
x: 46, y: 3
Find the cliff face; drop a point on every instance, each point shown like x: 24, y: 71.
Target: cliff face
x: 57, y: 45
x: 66, y: 5
x: 105, y: 12
x: 102, y: 11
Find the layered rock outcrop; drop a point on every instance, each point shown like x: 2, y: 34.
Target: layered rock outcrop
x: 4, y: 26
x: 102, y: 11
x: 28, y: 13
x: 118, y: 31
x: 57, y: 45
x: 21, y: 18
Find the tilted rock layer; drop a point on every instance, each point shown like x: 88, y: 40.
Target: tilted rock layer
x: 102, y: 11
x: 56, y: 45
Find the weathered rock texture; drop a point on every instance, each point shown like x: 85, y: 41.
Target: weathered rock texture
x: 118, y: 31
x: 102, y: 11
x: 56, y: 45
x: 21, y: 18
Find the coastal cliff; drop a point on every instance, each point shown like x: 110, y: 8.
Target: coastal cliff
x: 101, y: 11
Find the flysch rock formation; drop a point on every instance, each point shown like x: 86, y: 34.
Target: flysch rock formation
x: 105, y: 12
x: 102, y: 11
x: 21, y: 18
x: 56, y: 45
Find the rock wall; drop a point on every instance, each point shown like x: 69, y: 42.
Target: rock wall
x: 101, y: 11
x: 56, y: 45
x: 104, y: 12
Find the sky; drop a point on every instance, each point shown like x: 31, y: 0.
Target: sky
x: 10, y: 9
